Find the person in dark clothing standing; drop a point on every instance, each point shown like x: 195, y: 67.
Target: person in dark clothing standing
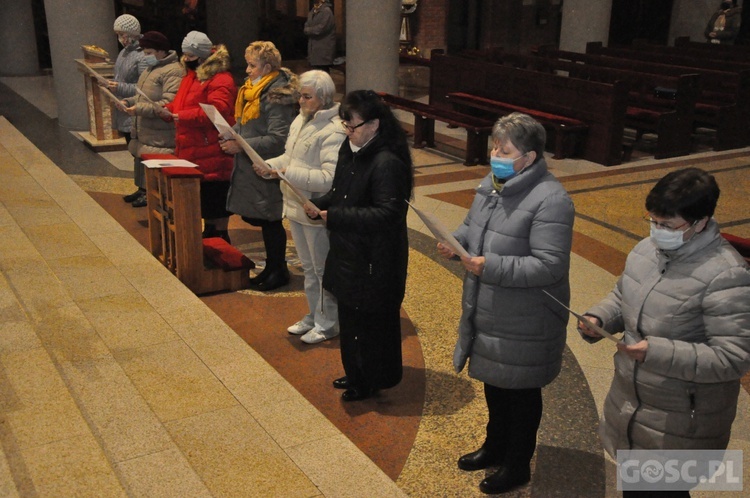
x: 320, y: 29
x: 365, y: 213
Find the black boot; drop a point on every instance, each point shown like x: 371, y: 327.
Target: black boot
x: 505, y: 479
x: 131, y: 197
x: 480, y: 459
x: 273, y: 279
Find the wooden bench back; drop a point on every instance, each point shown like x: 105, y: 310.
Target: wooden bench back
x: 600, y: 105
x: 672, y: 58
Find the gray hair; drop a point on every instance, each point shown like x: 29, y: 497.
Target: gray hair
x: 322, y: 83
x: 524, y: 132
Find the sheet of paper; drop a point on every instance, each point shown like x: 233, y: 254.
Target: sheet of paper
x: 169, y: 163
x: 101, y: 79
x: 228, y: 133
x: 440, y: 232
x: 585, y: 320
x: 143, y: 94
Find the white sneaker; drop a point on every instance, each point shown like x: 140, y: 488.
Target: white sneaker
x: 317, y: 335
x: 299, y: 328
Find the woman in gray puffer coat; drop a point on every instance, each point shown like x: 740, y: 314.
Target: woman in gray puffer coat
x: 519, y: 230
x: 683, y: 303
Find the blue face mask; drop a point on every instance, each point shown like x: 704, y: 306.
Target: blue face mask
x: 150, y: 60
x: 502, y: 167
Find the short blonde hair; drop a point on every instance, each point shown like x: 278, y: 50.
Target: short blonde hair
x: 266, y: 52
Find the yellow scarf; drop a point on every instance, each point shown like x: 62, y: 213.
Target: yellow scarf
x: 247, y: 106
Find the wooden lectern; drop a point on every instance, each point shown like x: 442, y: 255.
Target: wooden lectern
x: 174, y: 225
x: 101, y: 135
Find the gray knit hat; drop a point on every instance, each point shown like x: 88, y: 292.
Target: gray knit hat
x: 128, y: 24
x: 197, y: 44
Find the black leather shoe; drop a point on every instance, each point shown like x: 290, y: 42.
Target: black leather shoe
x: 273, y: 280
x: 342, y: 383
x: 140, y: 201
x: 356, y: 394
x: 504, y: 480
x: 478, y: 460
x: 134, y: 195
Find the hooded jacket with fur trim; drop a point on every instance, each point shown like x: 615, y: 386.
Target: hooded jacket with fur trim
x: 196, y: 138
x: 250, y: 195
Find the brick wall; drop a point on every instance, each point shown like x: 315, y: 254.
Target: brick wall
x: 428, y: 25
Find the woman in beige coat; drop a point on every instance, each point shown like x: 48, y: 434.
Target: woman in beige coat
x: 159, y: 81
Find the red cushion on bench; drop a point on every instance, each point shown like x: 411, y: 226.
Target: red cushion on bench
x: 742, y: 245
x: 224, y: 255
x: 182, y: 172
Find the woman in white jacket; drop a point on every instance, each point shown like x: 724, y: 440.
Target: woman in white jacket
x: 308, y: 162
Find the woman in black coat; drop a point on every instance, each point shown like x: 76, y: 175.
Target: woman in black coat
x: 365, y: 213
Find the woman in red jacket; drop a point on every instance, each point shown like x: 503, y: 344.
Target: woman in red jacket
x: 208, y: 81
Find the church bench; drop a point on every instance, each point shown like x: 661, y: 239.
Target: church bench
x: 425, y: 115
x: 600, y: 106
x: 568, y: 133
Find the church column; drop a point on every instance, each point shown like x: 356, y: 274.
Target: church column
x: 18, y: 39
x: 372, y: 32
x: 584, y: 21
x: 70, y: 25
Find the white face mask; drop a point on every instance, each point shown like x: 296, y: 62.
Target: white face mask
x: 668, y: 240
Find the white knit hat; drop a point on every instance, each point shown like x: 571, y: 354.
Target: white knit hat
x: 197, y: 44
x: 128, y: 24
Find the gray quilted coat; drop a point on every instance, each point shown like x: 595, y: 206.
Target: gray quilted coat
x: 511, y: 332
x: 693, y: 307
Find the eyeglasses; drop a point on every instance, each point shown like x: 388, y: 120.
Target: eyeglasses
x: 658, y: 224
x: 351, y: 128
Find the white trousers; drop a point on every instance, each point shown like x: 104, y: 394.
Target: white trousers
x: 312, y: 248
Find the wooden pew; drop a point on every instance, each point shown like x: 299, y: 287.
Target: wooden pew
x: 568, y: 133
x: 703, y: 50
x: 671, y: 117
x: 672, y: 58
x: 600, y: 106
x: 722, y: 104
x: 685, y: 41
x: 425, y: 115
x: 174, y: 224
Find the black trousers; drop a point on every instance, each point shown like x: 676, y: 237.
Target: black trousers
x: 370, y: 347
x: 274, y: 239
x: 514, y: 420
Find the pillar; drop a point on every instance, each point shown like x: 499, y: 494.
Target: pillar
x: 18, y: 39
x: 372, y: 31
x: 235, y: 24
x: 70, y: 25
x: 584, y: 21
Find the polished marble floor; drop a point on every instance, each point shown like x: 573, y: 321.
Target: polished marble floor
x: 116, y: 380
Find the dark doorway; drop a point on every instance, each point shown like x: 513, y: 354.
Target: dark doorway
x: 640, y: 19
x: 462, y: 29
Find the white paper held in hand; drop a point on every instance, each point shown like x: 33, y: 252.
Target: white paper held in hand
x: 143, y: 94
x: 440, y: 232
x: 585, y: 320
x: 228, y: 133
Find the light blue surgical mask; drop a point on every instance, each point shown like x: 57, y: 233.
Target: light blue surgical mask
x: 502, y: 167
x: 150, y: 60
